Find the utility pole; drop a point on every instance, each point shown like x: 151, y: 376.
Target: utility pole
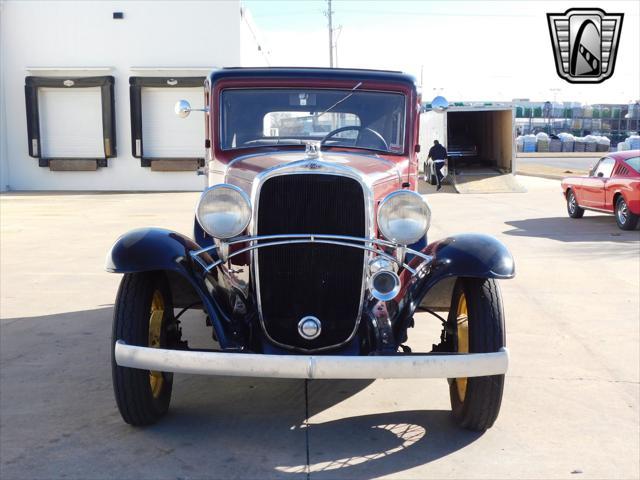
x: 335, y: 45
x: 329, y: 13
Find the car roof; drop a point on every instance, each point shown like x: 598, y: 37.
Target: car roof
x: 355, y: 74
x: 624, y: 154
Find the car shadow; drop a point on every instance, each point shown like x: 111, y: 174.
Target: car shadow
x: 59, y: 418
x: 376, y: 445
x: 590, y: 228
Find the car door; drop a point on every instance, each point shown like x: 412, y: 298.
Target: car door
x: 612, y: 185
x: 594, y: 185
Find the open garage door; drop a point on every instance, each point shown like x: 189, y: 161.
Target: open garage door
x: 162, y: 140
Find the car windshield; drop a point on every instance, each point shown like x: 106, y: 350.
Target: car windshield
x: 341, y: 118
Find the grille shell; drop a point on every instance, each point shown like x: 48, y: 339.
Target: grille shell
x: 324, y: 281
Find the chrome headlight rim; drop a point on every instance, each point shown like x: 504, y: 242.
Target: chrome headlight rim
x: 242, y: 195
x: 420, y: 202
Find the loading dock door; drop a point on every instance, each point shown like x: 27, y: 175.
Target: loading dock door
x: 165, y: 134
x: 71, y: 122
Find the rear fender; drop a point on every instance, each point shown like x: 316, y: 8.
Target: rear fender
x: 157, y: 249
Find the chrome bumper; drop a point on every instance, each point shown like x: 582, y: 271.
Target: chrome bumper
x: 313, y: 366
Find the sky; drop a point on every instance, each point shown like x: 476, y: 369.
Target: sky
x: 464, y: 50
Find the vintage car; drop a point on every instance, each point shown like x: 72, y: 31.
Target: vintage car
x: 613, y: 186
x: 309, y: 256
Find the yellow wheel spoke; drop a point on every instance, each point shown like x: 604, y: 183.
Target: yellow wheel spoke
x: 156, y: 318
x: 462, y: 333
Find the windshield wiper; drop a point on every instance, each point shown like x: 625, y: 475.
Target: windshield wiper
x: 340, y: 101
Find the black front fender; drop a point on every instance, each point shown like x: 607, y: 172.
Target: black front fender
x: 465, y: 255
x: 147, y: 249
x: 157, y: 249
x: 471, y: 255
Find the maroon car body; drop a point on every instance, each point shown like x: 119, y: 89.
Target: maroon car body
x: 612, y: 186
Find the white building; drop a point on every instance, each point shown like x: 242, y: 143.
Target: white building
x: 87, y: 89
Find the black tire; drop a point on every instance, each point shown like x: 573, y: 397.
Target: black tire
x: 476, y: 405
x: 573, y: 209
x: 138, y: 402
x: 624, y: 218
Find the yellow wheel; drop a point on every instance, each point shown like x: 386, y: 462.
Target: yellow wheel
x: 462, y: 336
x: 156, y: 322
x: 143, y: 316
x: 476, y: 325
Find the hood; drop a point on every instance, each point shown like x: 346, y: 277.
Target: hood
x: 373, y: 169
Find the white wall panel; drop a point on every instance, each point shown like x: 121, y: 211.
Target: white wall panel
x: 164, y: 133
x: 71, y: 122
x: 67, y: 34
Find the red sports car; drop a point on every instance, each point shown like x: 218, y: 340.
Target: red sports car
x: 613, y: 186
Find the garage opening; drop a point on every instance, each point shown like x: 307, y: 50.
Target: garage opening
x: 480, y: 142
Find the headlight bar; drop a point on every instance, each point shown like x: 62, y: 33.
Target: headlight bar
x: 368, y: 244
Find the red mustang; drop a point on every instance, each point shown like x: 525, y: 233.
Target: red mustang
x: 613, y: 186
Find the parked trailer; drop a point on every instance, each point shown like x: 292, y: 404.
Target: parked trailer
x: 480, y: 140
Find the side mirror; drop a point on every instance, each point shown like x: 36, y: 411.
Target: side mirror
x: 439, y: 104
x: 182, y: 108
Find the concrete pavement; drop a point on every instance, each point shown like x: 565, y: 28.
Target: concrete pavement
x: 571, y: 403
x: 575, y: 163
x: 555, y: 167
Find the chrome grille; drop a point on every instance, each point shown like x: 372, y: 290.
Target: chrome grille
x: 324, y: 281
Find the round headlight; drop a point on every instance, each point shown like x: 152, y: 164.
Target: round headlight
x: 224, y: 211
x: 404, y: 217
